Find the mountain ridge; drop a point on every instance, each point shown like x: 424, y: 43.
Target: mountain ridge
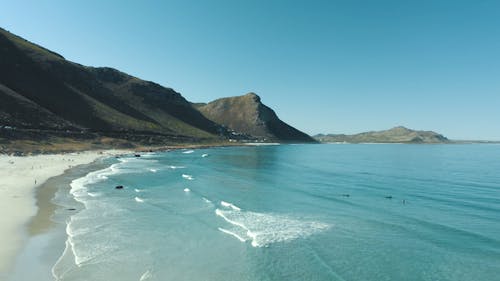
x: 43, y: 92
x: 84, y: 96
x: 397, y: 134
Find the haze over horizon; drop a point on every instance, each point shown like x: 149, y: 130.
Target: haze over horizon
x: 325, y: 67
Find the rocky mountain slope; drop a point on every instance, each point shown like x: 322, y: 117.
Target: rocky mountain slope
x: 249, y: 116
x: 395, y: 135
x: 43, y: 93
x: 64, y: 95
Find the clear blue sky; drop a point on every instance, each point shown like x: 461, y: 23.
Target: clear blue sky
x: 341, y: 66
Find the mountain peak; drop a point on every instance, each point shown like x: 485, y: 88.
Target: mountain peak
x: 253, y: 96
x: 400, y: 128
x: 33, y: 50
x: 246, y: 114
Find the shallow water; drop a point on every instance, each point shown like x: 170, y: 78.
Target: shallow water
x: 289, y: 212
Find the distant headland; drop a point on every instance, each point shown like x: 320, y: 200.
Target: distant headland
x: 398, y: 134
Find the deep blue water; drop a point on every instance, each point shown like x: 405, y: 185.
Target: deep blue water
x: 290, y: 212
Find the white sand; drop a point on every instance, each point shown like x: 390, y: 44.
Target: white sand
x: 17, y: 196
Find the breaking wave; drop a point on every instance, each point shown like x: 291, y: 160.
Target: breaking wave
x: 263, y: 229
x: 230, y: 205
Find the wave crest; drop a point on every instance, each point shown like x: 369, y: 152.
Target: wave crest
x: 263, y: 229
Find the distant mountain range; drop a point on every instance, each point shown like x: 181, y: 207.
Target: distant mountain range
x: 395, y: 135
x: 43, y: 95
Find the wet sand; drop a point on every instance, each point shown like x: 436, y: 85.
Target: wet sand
x: 46, y: 231
x: 27, y: 209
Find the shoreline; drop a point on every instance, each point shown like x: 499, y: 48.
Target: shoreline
x: 26, y: 192
x: 21, y: 197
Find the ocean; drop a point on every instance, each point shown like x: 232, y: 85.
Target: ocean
x: 286, y: 212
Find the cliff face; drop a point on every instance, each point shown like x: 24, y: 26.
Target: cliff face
x: 39, y: 89
x: 248, y: 115
x: 395, y: 135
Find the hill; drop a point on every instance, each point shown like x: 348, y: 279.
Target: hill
x: 41, y: 90
x: 395, y: 135
x: 44, y: 96
x: 247, y: 115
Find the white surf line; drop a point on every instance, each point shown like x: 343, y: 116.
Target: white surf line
x: 220, y: 214
x: 230, y: 205
x: 232, y: 234
x: 249, y: 233
x: 146, y: 275
x: 262, y: 143
x: 176, y: 167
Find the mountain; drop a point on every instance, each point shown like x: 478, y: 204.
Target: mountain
x: 395, y: 135
x: 41, y: 90
x: 247, y: 115
x: 44, y: 96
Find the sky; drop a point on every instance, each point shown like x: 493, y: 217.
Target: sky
x: 337, y: 66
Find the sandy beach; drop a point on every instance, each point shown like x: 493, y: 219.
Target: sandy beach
x: 19, y: 176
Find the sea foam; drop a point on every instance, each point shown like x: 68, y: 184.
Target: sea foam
x: 176, y: 167
x: 83, y: 235
x: 79, y: 186
x: 74, y: 228
x: 232, y: 234
x: 146, y: 275
x: 263, y: 229
x: 230, y: 205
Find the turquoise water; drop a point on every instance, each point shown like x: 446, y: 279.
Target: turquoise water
x: 289, y: 212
